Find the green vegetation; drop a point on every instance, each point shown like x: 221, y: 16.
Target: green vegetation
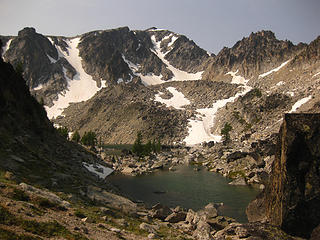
x: 76, y: 137
x: 44, y: 229
x: 236, y: 174
x: 225, y: 132
x: 241, y: 120
x: 9, y: 235
x: 64, y: 132
x: 142, y: 150
x: 89, y: 139
x: 19, y: 195
x: 257, y: 92
x: 79, y: 214
x: 137, y: 147
x: 46, y: 203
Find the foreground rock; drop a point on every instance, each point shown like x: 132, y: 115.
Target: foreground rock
x: 291, y: 200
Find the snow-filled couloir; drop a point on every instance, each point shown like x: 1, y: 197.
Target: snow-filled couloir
x: 81, y: 88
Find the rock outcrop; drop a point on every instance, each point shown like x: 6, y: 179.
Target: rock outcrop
x: 291, y: 200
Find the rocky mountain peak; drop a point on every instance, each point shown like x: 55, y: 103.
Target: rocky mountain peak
x: 27, y: 31
x: 259, y: 52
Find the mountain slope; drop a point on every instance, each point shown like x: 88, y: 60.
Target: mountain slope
x: 30, y: 147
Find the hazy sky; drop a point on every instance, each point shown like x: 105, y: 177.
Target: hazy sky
x: 212, y: 24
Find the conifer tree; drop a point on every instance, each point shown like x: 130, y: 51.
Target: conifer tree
x: 76, y: 137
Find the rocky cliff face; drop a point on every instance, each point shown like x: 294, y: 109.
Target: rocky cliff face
x: 30, y: 147
x: 291, y: 200
x: 41, y: 63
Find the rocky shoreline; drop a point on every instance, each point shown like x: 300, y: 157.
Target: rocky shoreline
x: 243, y: 167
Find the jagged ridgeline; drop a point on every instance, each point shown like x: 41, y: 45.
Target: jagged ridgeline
x: 120, y: 81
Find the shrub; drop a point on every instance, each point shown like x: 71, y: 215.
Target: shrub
x: 20, y: 195
x: 225, y: 132
x: 79, y: 214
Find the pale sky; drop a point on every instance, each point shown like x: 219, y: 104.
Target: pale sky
x: 212, y: 24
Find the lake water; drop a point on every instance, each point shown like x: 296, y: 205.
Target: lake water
x: 187, y: 188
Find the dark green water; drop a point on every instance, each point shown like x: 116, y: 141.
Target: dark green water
x: 189, y: 189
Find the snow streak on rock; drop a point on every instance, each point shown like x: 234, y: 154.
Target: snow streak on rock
x: 81, y: 88
x: 299, y: 103
x: 178, y: 75
x: 177, y: 101
x: 317, y: 74
x: 52, y: 60
x: 274, y: 70
x: 149, y: 79
x: 6, y: 47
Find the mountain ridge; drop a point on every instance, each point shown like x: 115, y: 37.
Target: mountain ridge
x: 107, y: 58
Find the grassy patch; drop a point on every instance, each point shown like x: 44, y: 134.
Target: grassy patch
x: 79, y: 214
x: 167, y: 233
x: 19, y: 195
x: 9, y: 235
x: 6, y: 218
x: 236, y: 174
x: 44, y: 229
x: 46, y: 203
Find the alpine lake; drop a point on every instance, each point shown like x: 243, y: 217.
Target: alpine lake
x: 187, y: 188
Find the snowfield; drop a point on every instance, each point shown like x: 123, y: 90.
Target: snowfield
x: 97, y: 169
x: 200, y: 128
x: 81, y: 88
x: 274, y: 70
x: 299, y: 103
x: 177, y: 101
x: 237, y: 79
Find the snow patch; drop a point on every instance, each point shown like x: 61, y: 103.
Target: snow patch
x: 149, y: 79
x: 178, y: 75
x: 6, y: 47
x: 52, y: 60
x: 98, y: 169
x: 120, y: 80
x: 177, y: 101
x: 274, y: 70
x: 139, y: 46
x: 299, y: 103
x: 81, y: 88
x: 280, y: 83
x: 173, y: 39
x: 156, y: 30
x: 291, y: 94
x: 200, y: 128
x: 39, y: 87
x: 237, y: 79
